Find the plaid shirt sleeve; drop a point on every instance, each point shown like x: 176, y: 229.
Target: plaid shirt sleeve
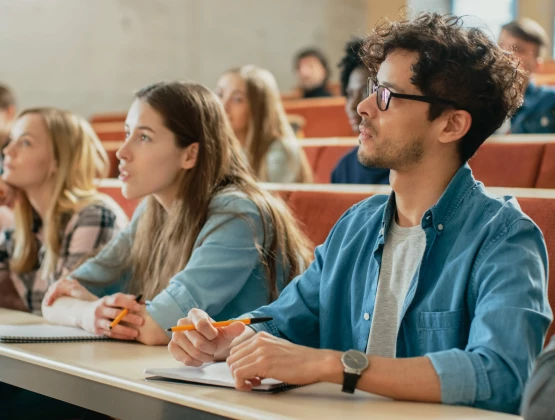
x: 86, y: 233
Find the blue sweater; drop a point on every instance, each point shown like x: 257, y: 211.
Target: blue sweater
x: 224, y: 276
x: 350, y: 171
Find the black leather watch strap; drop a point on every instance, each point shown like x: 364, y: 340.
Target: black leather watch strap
x: 350, y: 382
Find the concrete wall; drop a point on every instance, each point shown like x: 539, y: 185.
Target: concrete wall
x: 90, y: 55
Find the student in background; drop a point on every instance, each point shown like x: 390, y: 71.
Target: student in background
x: 313, y: 73
x: 354, y: 85
x: 528, y: 40
x: 252, y: 103
x: 537, y: 402
x: 52, y: 160
x: 434, y: 293
x: 207, y: 236
x: 7, y: 115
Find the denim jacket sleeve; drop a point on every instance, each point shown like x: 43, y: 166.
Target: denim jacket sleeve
x: 509, y: 286
x: 225, y: 256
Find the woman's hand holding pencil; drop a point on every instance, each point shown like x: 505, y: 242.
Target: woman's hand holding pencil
x: 99, y: 315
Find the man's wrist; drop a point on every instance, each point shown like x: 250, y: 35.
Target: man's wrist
x: 331, y: 368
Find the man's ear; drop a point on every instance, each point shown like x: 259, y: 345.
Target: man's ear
x: 456, y: 124
x: 189, y: 159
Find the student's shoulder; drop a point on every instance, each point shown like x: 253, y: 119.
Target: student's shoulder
x: 547, y: 95
x: 232, y: 200
x: 367, y: 208
x: 99, y: 214
x: 501, y: 211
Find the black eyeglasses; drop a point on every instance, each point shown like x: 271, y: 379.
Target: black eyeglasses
x: 384, y: 96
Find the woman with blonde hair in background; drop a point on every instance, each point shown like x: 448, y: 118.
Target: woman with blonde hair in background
x: 206, y: 236
x: 253, y: 105
x: 51, y: 162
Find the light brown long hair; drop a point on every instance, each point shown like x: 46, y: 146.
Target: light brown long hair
x: 80, y: 158
x: 268, y: 123
x: 164, y: 241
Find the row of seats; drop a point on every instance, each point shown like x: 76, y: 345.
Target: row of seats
x: 322, y: 117
x: 506, y: 161
x: 318, y: 207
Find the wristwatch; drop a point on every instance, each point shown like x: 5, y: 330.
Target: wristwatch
x: 355, y: 362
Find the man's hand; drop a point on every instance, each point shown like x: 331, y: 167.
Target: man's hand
x: 207, y: 343
x: 98, y: 315
x: 266, y: 356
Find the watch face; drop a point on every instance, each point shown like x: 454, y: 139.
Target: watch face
x: 354, y: 359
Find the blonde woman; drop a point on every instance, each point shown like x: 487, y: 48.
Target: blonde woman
x: 253, y: 105
x: 206, y: 236
x: 51, y: 162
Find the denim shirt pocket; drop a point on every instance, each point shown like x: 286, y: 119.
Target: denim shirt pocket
x: 441, y: 330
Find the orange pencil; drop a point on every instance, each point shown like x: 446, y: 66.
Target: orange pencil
x: 246, y: 321
x: 122, y: 314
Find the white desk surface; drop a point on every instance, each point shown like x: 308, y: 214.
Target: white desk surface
x: 121, y: 365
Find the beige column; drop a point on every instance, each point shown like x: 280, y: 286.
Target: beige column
x: 542, y: 11
x: 383, y: 8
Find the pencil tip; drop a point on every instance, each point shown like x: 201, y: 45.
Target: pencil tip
x: 168, y: 329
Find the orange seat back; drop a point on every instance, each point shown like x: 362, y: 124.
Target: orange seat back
x: 514, y: 165
x: 546, y: 176
x: 542, y: 212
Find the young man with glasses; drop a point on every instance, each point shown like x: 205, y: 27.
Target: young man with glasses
x: 436, y: 293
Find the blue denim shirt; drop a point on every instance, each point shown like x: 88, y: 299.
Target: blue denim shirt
x: 477, y: 305
x: 224, y: 276
x: 537, y: 113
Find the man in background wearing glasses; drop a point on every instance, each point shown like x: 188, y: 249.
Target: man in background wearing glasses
x: 435, y: 293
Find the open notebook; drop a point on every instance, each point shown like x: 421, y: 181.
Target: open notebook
x: 216, y: 374
x: 45, y: 333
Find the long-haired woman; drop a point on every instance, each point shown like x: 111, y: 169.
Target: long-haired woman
x: 206, y: 236
x: 253, y: 105
x: 51, y: 161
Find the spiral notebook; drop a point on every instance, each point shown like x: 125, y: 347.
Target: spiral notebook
x: 45, y: 333
x: 215, y: 374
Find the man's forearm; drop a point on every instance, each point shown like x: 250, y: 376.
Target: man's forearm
x: 410, y: 379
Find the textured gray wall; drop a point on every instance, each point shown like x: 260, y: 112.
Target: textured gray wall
x: 90, y: 55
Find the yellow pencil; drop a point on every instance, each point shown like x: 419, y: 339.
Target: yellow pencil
x: 220, y: 324
x: 122, y: 314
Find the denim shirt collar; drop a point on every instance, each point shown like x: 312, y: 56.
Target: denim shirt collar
x: 440, y: 213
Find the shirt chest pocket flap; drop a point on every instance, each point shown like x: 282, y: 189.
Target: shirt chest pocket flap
x: 442, y: 330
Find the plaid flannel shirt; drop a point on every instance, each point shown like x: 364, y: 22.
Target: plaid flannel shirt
x: 83, y: 234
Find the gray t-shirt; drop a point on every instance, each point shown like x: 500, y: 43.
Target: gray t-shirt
x: 402, y: 254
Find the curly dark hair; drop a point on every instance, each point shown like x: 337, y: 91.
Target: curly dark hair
x: 350, y: 61
x: 454, y: 63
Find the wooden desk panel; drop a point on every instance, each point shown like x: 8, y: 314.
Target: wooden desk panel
x: 108, y: 377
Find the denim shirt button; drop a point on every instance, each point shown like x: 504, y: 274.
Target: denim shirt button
x: 366, y: 316
x: 440, y: 227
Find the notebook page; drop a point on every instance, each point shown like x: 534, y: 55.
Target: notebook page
x: 43, y: 331
x: 211, y: 374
